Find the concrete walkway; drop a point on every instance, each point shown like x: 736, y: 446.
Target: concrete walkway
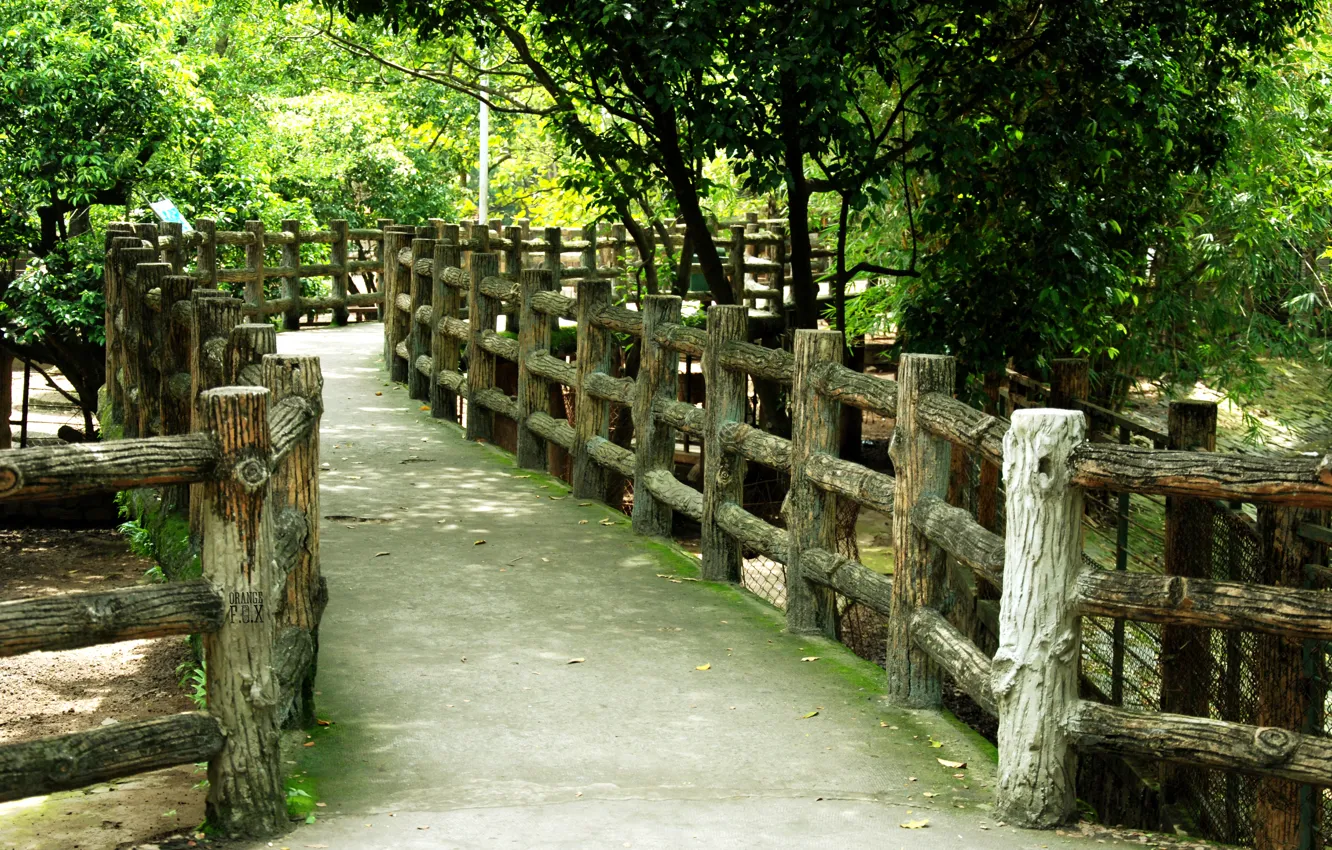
x: 462, y: 589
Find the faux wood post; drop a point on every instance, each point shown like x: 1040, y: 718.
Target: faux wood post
x: 1186, y: 652
x: 247, y: 345
x: 254, y: 263
x: 447, y: 300
x: 1285, y: 686
x: 552, y: 262
x: 291, y: 284
x: 779, y: 274
x: 246, y: 798
x: 132, y: 335
x: 534, y: 332
x: 811, y: 518
x: 618, y: 260
x: 381, y: 251
x: 175, y: 376
x: 1035, y: 672
x: 723, y: 471
x: 658, y: 383
x: 482, y: 313
x: 418, y: 346
x: 339, y: 255
x: 737, y: 263
x: 589, y: 254
x: 1070, y: 382
x: 174, y: 254
x: 591, y: 414
x: 395, y: 282
x: 920, y: 463
x: 152, y: 327
x: 295, y: 487
x: 513, y: 269
x: 205, y: 259
x: 111, y: 297
x: 213, y: 313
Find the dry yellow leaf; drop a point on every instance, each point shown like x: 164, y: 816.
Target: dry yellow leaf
x: 576, y: 660
x: 810, y: 658
x: 956, y: 765
x: 703, y: 667
x: 808, y: 716
x: 915, y: 824
x: 478, y: 542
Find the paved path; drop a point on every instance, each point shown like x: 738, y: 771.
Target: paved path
x: 459, y: 720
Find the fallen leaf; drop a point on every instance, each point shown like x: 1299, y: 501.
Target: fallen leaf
x: 382, y: 554
x: 575, y: 660
x: 810, y: 658
x: 956, y: 765
x: 582, y: 522
x: 323, y: 722
x: 309, y: 743
x: 478, y: 542
x: 915, y: 824
x: 423, y: 827
x: 375, y: 394
x: 425, y: 407
x: 930, y: 794
x: 936, y: 744
x: 811, y: 714
x: 322, y: 805
x: 584, y: 504
x: 703, y: 667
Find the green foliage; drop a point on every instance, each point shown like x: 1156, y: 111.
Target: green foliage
x: 194, y: 680
x: 58, y: 298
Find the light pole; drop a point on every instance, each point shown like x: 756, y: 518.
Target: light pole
x: 483, y: 163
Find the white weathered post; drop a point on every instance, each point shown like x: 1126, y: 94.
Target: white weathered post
x: 1035, y: 672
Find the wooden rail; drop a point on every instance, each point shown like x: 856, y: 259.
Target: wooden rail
x: 1032, y: 683
x: 235, y: 448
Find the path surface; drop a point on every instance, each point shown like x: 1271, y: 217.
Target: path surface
x: 459, y: 721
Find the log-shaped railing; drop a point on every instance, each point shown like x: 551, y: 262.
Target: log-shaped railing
x: 251, y: 451
x: 1032, y: 684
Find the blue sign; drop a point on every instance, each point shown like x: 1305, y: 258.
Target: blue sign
x: 166, y: 211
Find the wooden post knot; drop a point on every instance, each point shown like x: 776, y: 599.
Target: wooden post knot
x: 10, y: 479
x: 977, y: 432
x: 723, y: 477
x: 1274, y: 745
x: 251, y: 473
x: 1067, y: 645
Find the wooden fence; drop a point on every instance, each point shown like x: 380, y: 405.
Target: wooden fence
x: 239, y: 427
x: 1032, y: 682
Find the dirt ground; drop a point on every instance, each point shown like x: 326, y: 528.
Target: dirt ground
x: 52, y: 693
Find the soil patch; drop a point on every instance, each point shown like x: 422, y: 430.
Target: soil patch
x: 54, y: 693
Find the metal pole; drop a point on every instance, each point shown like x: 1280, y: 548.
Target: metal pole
x: 483, y: 163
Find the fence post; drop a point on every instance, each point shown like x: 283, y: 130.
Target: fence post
x: 921, y: 463
x: 552, y: 262
x: 736, y: 261
x: 294, y: 488
x: 134, y: 263
x: 1035, y: 673
x: 444, y: 352
x: 418, y: 382
x: 589, y: 253
x: 513, y: 269
x: 247, y: 344
x: 205, y: 260
x: 174, y: 254
x: 591, y: 414
x: 534, y: 331
x: 213, y: 313
x: 291, y: 284
x: 152, y: 335
x: 1285, y: 687
x: 1070, y: 382
x: 723, y: 471
x: 175, y: 375
x: 382, y: 224
x: 1186, y: 652
x: 658, y: 382
x: 395, y: 240
x: 111, y: 282
x: 246, y: 797
x: 779, y: 274
x: 811, y: 519
x: 482, y: 312
x: 338, y: 254
x: 254, y: 262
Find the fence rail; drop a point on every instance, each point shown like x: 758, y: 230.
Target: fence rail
x: 237, y: 447
x: 1032, y: 683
